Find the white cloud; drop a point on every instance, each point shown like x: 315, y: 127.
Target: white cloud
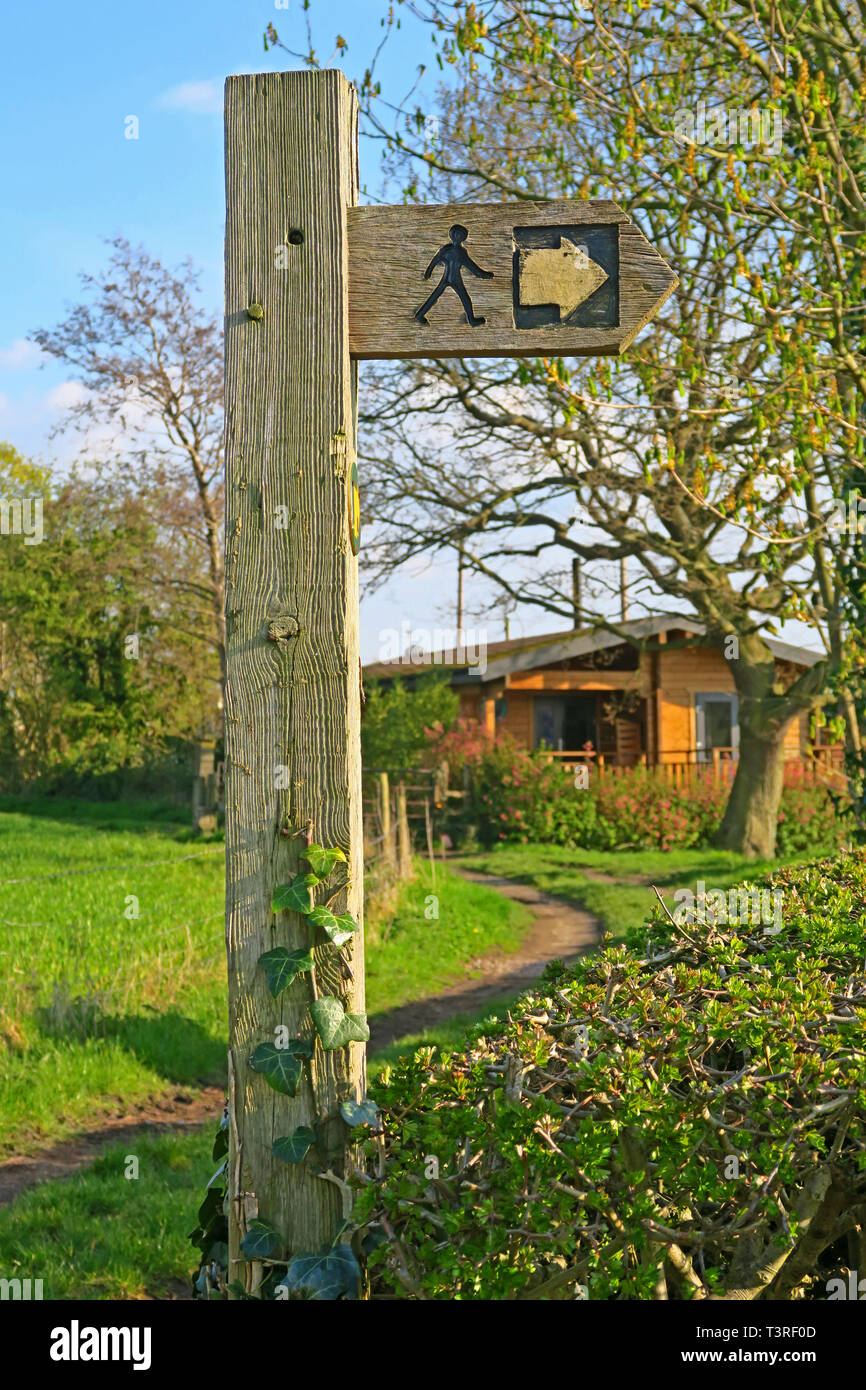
x: 67, y: 394
x: 21, y: 356
x: 199, y: 97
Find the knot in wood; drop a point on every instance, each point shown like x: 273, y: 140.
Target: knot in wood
x: 279, y: 629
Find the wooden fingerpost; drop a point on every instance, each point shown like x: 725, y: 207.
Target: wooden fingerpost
x: 293, y: 755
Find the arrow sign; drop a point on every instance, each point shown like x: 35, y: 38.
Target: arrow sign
x: 564, y: 276
x: 572, y: 277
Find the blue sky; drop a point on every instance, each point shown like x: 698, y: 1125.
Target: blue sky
x: 73, y: 74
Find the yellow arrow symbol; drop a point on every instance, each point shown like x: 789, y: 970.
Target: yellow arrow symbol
x: 563, y: 275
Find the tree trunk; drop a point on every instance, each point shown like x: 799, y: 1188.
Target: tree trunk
x: 766, y: 709
x: 749, y: 824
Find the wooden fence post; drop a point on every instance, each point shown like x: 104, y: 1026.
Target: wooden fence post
x: 388, y: 847
x: 204, y: 791
x: 404, y: 843
x: 293, y: 757
x: 428, y: 826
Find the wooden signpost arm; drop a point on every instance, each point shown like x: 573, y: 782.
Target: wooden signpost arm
x: 293, y: 768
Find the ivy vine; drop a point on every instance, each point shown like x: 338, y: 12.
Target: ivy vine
x: 335, y: 1271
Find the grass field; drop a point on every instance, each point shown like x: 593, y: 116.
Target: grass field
x: 114, y: 979
x: 100, y: 1007
x: 620, y: 905
x: 102, y: 1235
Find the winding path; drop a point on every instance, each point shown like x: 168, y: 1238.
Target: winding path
x: 559, y: 931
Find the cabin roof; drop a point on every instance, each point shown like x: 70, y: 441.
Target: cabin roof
x: 528, y: 653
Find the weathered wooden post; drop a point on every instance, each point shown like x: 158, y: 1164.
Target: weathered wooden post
x: 204, y: 792
x: 404, y: 841
x: 313, y: 282
x: 293, y: 761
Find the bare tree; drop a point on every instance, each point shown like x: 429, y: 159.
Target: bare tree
x: 151, y: 362
x: 711, y: 457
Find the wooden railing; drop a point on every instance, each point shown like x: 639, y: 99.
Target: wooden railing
x: 678, y: 766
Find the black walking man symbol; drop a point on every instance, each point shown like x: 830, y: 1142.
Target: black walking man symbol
x: 454, y: 261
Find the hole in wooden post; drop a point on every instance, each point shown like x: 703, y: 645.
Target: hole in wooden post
x: 296, y: 237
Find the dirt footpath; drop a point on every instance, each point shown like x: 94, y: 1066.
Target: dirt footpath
x: 559, y: 931
x: 68, y: 1155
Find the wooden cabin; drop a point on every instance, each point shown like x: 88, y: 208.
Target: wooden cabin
x: 663, y: 698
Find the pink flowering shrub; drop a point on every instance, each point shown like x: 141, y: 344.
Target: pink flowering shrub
x: 463, y: 745
x: 641, y: 807
x: 514, y: 795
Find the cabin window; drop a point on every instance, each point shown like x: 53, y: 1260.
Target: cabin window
x: 565, y: 722
x: 716, y: 726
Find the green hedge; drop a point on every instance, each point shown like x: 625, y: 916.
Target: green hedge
x: 678, y: 1118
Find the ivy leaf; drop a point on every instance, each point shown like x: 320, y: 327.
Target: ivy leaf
x: 296, y: 896
x: 326, y: 1277
x: 281, y: 966
x: 339, y: 928
x: 293, y: 1147
x: 211, y: 1208
x: 220, y: 1144
x: 365, y: 1113
x: 281, y: 1066
x: 334, y: 1026
x: 322, y: 860
x: 261, y: 1240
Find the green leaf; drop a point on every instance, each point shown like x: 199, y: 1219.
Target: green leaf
x: 261, y: 1240
x: 326, y: 1277
x: 296, y: 896
x: 220, y: 1144
x: 339, y: 928
x: 281, y: 966
x: 293, y: 1147
x: 281, y: 1066
x: 367, y: 1113
x: 322, y: 860
x: 335, y: 1027
x: 211, y: 1208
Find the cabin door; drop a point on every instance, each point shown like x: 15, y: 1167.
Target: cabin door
x: 716, y: 726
